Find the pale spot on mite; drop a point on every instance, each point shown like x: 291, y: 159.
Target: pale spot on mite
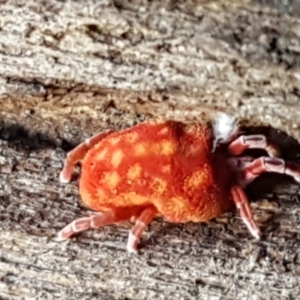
x: 117, y: 158
x: 159, y: 186
x: 101, y: 193
x: 140, y: 149
x: 168, y: 148
x: 134, y: 172
x: 177, y: 203
x: 102, y: 154
x: 196, y: 179
x: 166, y: 169
x: 164, y: 131
x: 164, y: 148
x: 132, y: 198
x: 111, y: 179
x: 114, y: 140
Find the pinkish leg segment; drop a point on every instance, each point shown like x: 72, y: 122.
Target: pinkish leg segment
x: 239, y: 163
x: 78, y: 153
x: 269, y: 164
x: 98, y: 220
x: 139, y: 227
x: 244, y: 142
x: 242, y: 203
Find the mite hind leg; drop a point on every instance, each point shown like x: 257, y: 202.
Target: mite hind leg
x: 241, y: 201
x: 78, y: 153
x: 141, y: 222
x: 99, y: 219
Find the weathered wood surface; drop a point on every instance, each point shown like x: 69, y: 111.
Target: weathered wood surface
x: 71, y: 68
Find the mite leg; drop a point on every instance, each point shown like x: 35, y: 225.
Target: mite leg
x: 268, y: 164
x: 139, y: 227
x: 99, y: 219
x: 78, y: 153
x: 244, y: 142
x: 242, y: 203
x: 239, y: 163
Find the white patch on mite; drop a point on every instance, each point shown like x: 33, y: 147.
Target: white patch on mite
x: 225, y: 128
x: 117, y: 157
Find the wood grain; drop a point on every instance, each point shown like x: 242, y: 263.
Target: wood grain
x: 69, y: 69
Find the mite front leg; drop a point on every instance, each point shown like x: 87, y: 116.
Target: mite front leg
x: 139, y: 227
x: 241, y: 201
x: 238, y: 164
x: 99, y: 219
x: 78, y: 153
x: 244, y: 142
x: 268, y: 164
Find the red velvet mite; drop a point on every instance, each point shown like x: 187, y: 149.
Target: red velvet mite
x: 183, y: 172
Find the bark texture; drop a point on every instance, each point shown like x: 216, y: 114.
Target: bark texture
x: 69, y: 69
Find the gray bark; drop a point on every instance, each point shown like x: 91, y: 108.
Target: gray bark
x: 69, y: 69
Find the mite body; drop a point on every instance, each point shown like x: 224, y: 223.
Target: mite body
x: 183, y: 172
